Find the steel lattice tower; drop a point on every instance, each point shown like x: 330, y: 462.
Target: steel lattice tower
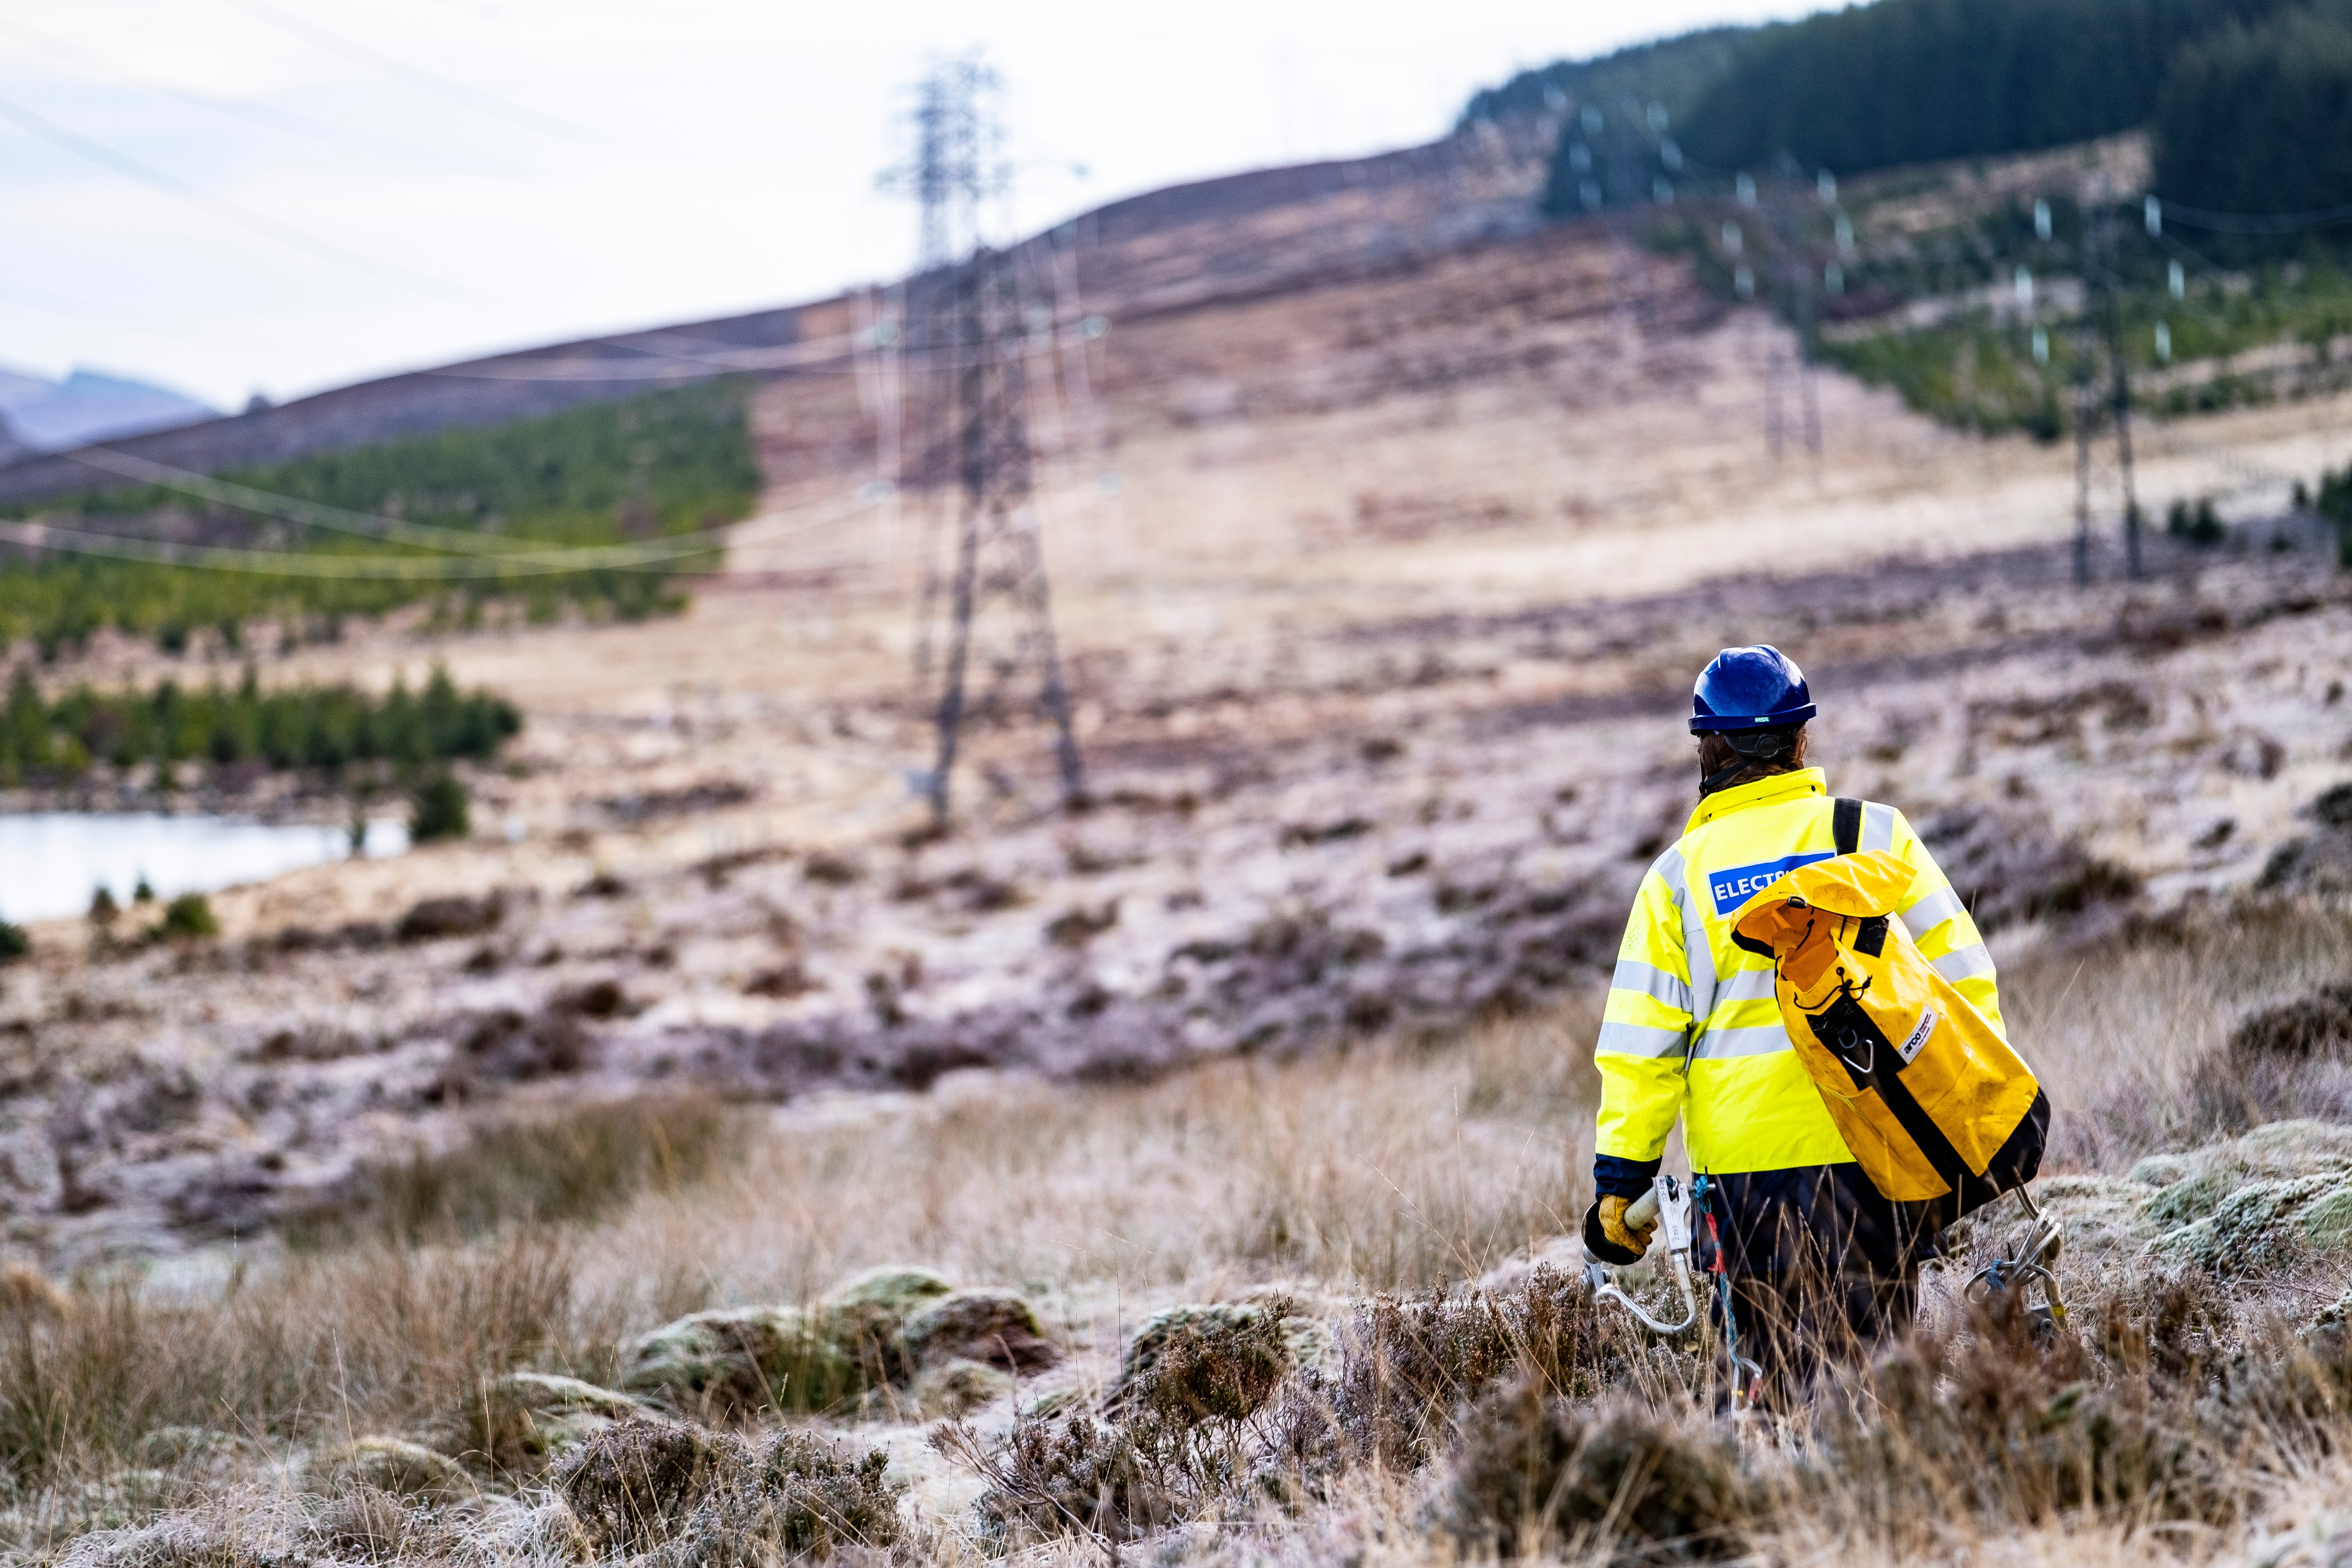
x: 989, y: 614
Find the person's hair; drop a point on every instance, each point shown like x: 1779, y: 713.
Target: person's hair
x: 1715, y: 754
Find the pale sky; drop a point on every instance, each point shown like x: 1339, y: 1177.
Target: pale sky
x: 282, y: 196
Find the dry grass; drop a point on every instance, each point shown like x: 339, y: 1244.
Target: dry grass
x: 375, y: 1341
x: 1393, y: 1167
x: 2120, y: 1029
x: 1389, y: 1166
x: 572, y: 1163
x: 1382, y: 1167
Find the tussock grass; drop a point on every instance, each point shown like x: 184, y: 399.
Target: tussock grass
x: 660, y: 1489
x: 555, y: 1166
x: 376, y: 1340
x: 2123, y: 1030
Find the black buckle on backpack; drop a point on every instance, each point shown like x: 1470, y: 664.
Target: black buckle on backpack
x: 1870, y: 936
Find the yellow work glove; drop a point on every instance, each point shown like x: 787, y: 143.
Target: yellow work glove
x: 1613, y: 1227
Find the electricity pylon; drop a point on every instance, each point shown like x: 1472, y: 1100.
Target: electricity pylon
x: 990, y: 613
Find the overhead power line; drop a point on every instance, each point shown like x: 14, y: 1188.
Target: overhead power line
x: 172, y: 185
x: 54, y: 539
x: 279, y: 563
x: 551, y: 561
x: 315, y: 514
x: 89, y: 311
x: 472, y: 97
x: 665, y: 357
x: 253, y: 113
x: 2254, y: 223
x: 670, y: 356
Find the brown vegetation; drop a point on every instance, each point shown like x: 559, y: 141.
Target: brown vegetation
x: 1251, y: 1108
x: 1328, y: 1391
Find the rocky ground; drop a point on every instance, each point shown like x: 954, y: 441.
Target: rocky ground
x: 1423, y: 822
x: 1381, y: 644
x: 1038, y: 1389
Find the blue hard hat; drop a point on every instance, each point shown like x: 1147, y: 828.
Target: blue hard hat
x: 1750, y: 688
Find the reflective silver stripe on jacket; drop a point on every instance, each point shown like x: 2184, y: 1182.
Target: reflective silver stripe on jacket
x: 1963, y: 963
x: 1650, y: 981
x: 1698, y: 954
x: 1927, y: 913
x: 1639, y: 1040
x: 1757, y: 1040
x: 1877, y: 826
x: 1748, y: 985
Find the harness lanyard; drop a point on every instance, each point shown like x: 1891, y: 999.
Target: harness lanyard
x: 1702, y: 1193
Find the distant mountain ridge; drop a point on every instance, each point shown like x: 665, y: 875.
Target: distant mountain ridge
x: 86, y: 406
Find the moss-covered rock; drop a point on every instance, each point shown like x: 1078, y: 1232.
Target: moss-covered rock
x: 2193, y: 1184
x: 2262, y: 1227
x: 735, y: 1360
x: 952, y: 1388
x: 2278, y: 1195
x: 551, y: 1393
x: 879, y: 1329
x: 530, y: 1419
x: 894, y: 1290
x: 865, y: 1317
x: 388, y: 1465
x: 996, y: 1327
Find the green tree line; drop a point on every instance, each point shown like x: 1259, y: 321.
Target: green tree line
x: 1673, y: 73
x: 671, y: 462
x: 325, y: 728
x: 1906, y: 81
x: 2249, y: 102
x: 2259, y: 120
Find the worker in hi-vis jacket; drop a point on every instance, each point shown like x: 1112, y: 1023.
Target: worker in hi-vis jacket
x: 1817, y: 1258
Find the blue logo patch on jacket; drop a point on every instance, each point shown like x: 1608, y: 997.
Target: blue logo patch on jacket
x: 1736, y: 887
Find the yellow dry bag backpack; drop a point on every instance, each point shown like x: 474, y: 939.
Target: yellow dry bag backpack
x: 1933, y: 1103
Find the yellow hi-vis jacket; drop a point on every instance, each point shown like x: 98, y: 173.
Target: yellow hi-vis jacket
x: 1692, y: 1028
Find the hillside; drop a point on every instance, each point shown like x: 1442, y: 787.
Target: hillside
x: 707, y: 1162
x: 480, y: 1186
x: 624, y: 495
x: 1216, y: 238
x: 1400, y: 569
x: 1853, y: 91
x: 475, y: 395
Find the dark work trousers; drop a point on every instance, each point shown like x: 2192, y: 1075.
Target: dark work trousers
x: 1823, y: 1268
x: 1793, y: 1324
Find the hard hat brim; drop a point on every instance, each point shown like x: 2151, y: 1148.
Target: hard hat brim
x: 1712, y: 724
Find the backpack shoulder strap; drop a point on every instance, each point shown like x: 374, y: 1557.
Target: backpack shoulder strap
x: 1845, y: 824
